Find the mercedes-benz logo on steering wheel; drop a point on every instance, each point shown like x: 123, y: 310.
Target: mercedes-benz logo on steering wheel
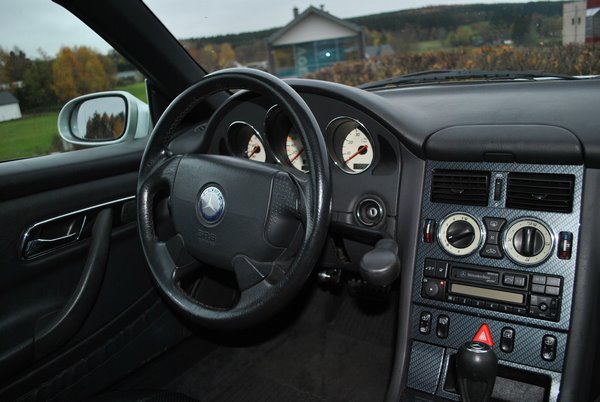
x: 211, y: 205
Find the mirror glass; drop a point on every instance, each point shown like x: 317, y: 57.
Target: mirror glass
x: 99, y: 119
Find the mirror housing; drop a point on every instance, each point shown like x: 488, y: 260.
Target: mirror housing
x: 104, y: 118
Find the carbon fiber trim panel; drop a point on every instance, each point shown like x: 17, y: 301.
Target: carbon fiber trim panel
x: 425, y: 367
x: 554, y: 386
x: 529, y: 329
x: 528, y: 339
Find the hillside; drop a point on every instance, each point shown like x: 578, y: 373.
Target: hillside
x: 424, y: 28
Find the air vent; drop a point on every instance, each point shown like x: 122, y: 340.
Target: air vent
x: 540, y: 192
x: 465, y: 187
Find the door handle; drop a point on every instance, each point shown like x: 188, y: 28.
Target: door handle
x: 72, y: 232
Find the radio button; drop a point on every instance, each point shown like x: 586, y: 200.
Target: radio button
x: 508, y: 280
x: 552, y: 290
x: 433, y: 289
x: 441, y: 269
x: 429, y: 268
x: 507, y: 340
x: 478, y: 303
x: 538, y: 289
x: 543, y: 307
x: 519, y: 310
x: 520, y: 281
x: 553, y: 281
x: 538, y: 280
x: 503, y: 308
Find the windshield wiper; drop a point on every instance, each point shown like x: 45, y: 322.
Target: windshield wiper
x: 460, y: 75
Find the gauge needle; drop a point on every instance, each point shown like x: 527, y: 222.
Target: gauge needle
x: 297, y: 155
x: 254, y: 150
x: 362, y: 148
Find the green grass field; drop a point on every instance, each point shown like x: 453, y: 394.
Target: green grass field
x: 30, y: 136
x: 138, y: 90
x: 36, y: 135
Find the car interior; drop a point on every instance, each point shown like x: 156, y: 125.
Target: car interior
x: 302, y: 240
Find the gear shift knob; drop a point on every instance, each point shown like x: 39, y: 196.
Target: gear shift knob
x: 476, y: 368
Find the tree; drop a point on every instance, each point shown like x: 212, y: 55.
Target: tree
x: 79, y: 71
x: 36, y: 91
x: 226, y: 55
x: 14, y: 64
x: 64, y: 70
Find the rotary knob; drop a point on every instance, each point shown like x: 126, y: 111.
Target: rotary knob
x: 528, y: 241
x: 459, y: 234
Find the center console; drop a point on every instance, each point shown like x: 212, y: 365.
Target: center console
x: 495, y: 263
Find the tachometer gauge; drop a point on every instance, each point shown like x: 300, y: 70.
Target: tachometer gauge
x: 349, y: 145
x: 357, y: 151
x: 255, y: 150
x: 295, y: 151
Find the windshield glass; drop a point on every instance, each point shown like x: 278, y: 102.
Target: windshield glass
x: 359, y: 42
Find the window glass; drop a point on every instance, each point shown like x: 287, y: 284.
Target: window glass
x: 48, y: 57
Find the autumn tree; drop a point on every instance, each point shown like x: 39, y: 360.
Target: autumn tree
x: 64, y: 71
x: 226, y: 55
x: 79, y: 71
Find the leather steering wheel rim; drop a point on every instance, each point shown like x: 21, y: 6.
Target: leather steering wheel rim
x: 160, y: 170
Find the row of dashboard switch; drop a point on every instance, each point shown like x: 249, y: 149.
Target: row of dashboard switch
x: 507, y: 335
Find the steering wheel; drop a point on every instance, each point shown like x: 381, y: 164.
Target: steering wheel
x: 263, y: 222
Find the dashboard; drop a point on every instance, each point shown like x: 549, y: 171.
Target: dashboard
x: 488, y: 190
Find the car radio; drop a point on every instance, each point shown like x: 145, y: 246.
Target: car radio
x: 512, y: 292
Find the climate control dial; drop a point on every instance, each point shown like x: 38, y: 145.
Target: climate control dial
x: 460, y: 234
x: 528, y: 241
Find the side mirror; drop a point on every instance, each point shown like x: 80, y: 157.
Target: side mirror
x: 104, y: 118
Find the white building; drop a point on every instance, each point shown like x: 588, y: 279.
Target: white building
x: 574, y: 16
x: 9, y: 107
x: 314, y: 39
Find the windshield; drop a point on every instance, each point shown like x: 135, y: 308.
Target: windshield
x: 368, y: 41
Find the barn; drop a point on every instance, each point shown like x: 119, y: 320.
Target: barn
x: 9, y: 107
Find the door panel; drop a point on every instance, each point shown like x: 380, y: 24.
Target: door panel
x: 60, y: 305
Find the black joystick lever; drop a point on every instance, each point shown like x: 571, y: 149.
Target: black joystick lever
x: 476, y: 367
x: 381, y: 266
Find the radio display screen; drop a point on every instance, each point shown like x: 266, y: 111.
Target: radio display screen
x: 492, y: 294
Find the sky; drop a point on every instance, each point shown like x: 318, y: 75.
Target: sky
x: 42, y: 24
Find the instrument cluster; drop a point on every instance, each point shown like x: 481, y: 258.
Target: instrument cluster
x: 349, y: 143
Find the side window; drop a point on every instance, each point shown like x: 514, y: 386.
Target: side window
x: 45, y: 63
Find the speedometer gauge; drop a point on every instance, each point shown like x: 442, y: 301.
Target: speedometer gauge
x: 295, y: 151
x: 349, y: 145
x: 357, y: 151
